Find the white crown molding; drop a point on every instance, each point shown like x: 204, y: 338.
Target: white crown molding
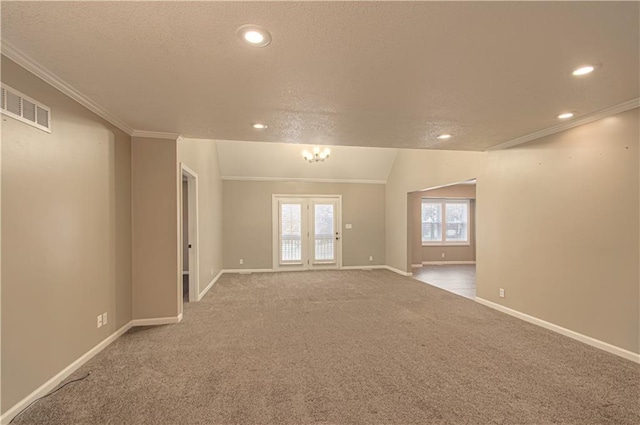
x: 295, y: 179
x: 617, y: 109
x: 155, y: 134
x: 38, y: 70
x: 629, y: 355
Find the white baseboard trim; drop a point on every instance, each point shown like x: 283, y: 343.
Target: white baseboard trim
x: 629, y: 355
x: 400, y: 272
x: 372, y: 267
x: 444, y: 263
x: 62, y: 375
x: 376, y: 267
x: 249, y: 271
x: 215, y: 279
x: 157, y: 321
x: 416, y: 266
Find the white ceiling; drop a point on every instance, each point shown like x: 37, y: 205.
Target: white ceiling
x: 273, y: 161
x: 391, y: 74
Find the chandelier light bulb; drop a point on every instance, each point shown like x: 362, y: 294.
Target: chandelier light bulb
x: 317, y: 155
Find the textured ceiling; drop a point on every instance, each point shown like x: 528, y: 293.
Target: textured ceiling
x: 392, y: 74
x: 284, y: 161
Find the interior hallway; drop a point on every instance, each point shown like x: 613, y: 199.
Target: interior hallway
x: 459, y: 278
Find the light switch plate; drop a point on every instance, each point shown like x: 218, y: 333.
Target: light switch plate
x: 348, y: 226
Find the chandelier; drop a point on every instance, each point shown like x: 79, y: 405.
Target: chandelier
x: 317, y: 154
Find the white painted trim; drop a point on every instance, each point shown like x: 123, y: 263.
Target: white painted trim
x: 249, y: 271
x: 38, y: 70
x: 367, y: 268
x: 62, y: 375
x: 445, y: 263
x: 416, y: 266
x: 400, y: 272
x: 194, y: 233
x: 296, y: 179
x: 617, y: 109
x: 155, y: 134
x: 205, y: 290
x: 629, y: 355
x: 157, y: 321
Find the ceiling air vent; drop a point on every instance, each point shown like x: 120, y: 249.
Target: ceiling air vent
x: 16, y: 105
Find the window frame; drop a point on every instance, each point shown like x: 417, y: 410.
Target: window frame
x: 443, y: 207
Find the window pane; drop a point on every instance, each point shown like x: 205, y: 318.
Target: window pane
x: 431, y: 221
x: 323, y: 232
x: 291, y: 232
x: 457, y: 227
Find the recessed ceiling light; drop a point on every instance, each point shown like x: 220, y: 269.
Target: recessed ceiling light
x: 254, y: 35
x: 565, y: 116
x: 444, y: 137
x: 584, y: 70
x: 259, y: 126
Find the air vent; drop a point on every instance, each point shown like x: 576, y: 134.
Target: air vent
x: 16, y: 105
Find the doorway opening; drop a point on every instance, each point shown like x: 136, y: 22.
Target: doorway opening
x: 188, y: 285
x: 306, y: 232
x: 442, y: 223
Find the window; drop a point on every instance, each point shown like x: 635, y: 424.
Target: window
x: 445, y: 221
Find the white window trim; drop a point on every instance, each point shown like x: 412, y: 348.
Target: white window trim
x: 443, y: 202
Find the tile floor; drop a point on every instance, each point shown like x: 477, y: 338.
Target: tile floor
x: 459, y: 279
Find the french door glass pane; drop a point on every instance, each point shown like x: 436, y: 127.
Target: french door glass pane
x: 291, y: 232
x: 431, y: 222
x: 457, y: 226
x: 323, y: 232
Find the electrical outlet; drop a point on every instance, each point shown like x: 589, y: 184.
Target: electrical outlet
x: 104, y: 319
x: 501, y: 293
x: 348, y: 226
x: 443, y: 255
x: 371, y: 258
x: 99, y: 320
x: 241, y: 261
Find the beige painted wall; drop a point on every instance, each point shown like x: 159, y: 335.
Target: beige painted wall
x: 248, y: 221
x: 417, y: 170
x: 201, y: 156
x: 558, y: 229
x: 421, y: 253
x: 66, y: 233
x: 157, y: 280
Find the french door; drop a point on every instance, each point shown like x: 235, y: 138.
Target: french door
x: 306, y: 232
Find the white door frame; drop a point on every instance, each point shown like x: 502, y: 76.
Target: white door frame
x: 275, y: 215
x: 192, y: 193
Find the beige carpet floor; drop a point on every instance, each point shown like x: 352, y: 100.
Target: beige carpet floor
x: 345, y: 347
